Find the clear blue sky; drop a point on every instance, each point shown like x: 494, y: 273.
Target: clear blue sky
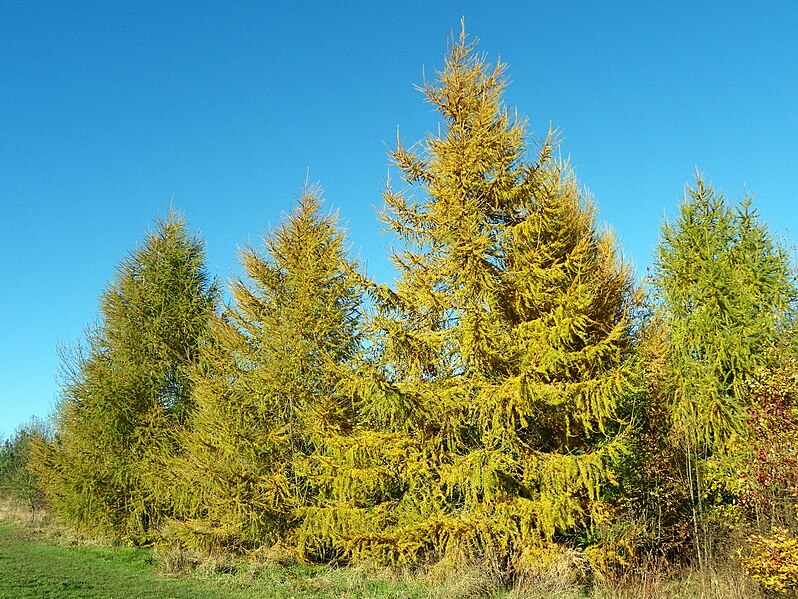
x: 108, y: 109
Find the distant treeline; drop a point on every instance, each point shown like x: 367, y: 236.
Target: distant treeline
x: 511, y: 398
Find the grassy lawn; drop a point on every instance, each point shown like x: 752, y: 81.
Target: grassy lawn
x: 32, y: 568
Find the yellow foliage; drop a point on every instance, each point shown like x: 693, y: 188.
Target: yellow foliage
x: 773, y: 560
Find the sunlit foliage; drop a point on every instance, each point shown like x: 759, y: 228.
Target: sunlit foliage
x: 491, y: 415
x: 126, y: 395
x: 267, y: 394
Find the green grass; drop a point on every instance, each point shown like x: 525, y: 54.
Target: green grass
x: 37, y: 568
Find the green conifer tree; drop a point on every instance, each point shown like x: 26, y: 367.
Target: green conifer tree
x: 724, y: 290
x: 267, y: 388
x: 127, y: 394
x: 17, y: 480
x: 490, y: 412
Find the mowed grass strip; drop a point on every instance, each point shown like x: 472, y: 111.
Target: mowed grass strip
x: 40, y: 569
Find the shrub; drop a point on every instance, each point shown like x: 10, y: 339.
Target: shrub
x: 773, y: 560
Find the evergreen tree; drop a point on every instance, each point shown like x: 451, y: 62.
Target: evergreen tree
x: 17, y: 480
x: 724, y: 289
x: 723, y: 292
x: 127, y: 393
x: 267, y: 390
x: 490, y: 412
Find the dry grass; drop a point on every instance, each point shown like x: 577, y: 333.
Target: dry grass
x: 176, y: 561
x: 15, y: 512
x: 722, y: 581
x: 462, y: 578
x: 40, y: 525
x: 476, y: 583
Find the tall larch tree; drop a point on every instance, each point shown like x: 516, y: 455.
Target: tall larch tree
x: 724, y: 291
x: 491, y: 411
x: 127, y: 393
x: 267, y: 391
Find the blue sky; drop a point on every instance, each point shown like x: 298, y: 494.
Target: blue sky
x: 109, y: 110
